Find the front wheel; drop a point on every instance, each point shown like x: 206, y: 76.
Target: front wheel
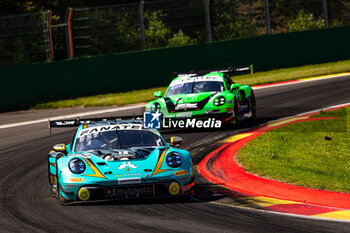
x: 235, y: 120
x: 253, y: 105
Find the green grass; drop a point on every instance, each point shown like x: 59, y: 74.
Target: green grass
x: 131, y: 97
x: 299, y: 153
x: 123, y: 98
x: 293, y: 73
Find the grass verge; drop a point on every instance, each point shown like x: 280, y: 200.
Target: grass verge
x: 132, y: 97
x: 313, y: 154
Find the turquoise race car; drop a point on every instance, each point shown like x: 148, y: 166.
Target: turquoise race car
x: 204, y: 95
x: 117, y: 159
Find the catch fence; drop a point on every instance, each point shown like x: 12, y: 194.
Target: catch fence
x: 152, y: 24
x: 26, y: 38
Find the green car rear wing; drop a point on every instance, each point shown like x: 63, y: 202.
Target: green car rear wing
x: 229, y: 70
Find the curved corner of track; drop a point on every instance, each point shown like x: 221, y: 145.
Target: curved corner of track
x: 256, y: 192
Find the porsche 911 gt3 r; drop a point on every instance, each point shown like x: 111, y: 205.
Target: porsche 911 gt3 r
x: 117, y: 160
x: 206, y: 94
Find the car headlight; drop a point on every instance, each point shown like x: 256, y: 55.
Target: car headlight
x: 77, y: 166
x: 220, y: 100
x: 174, y: 159
x: 155, y: 107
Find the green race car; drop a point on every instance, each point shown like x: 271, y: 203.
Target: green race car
x: 204, y: 95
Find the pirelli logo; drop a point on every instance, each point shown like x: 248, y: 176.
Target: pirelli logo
x: 77, y: 180
x: 181, y: 173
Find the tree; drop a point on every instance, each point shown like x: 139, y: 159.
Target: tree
x: 304, y: 22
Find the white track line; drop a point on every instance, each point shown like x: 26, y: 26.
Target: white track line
x: 70, y: 116
x: 303, y: 81
x: 280, y: 213
x: 309, y: 112
x: 137, y: 106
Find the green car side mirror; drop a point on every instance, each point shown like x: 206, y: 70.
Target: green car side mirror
x: 157, y: 94
x: 234, y: 86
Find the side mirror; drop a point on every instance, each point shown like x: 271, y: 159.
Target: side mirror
x: 157, y: 94
x: 234, y: 86
x: 60, y: 148
x: 175, y: 141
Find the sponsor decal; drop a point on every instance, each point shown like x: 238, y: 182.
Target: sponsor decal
x: 186, y: 106
x: 127, y: 165
x: 59, y: 147
x: 184, y: 114
x: 77, y: 180
x: 192, y: 123
x: 123, y: 152
x: 181, y: 173
x: 128, y: 174
x: 109, y: 128
x: 84, y: 155
x: 129, y: 191
x: 151, y: 120
x: 188, y: 79
x: 60, y: 123
x: 84, y: 194
x: 135, y: 180
x: 174, y: 188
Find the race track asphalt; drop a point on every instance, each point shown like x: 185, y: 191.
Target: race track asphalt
x: 26, y: 204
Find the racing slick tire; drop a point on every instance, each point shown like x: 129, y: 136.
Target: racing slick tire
x: 253, y: 105
x: 235, y: 120
x: 58, y: 186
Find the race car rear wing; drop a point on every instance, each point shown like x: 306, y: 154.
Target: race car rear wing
x: 76, y: 122
x: 229, y: 70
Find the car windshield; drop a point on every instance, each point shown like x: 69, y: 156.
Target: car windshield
x: 195, y: 87
x: 117, y: 139
x: 207, y: 86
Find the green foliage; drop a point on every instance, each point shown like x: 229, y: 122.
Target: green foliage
x: 234, y: 27
x: 179, y: 39
x: 155, y: 29
x: 58, y: 38
x: 24, y: 43
x: 232, y: 20
x: 336, y: 22
x: 127, y: 32
x: 108, y: 30
x: 304, y: 21
x: 158, y: 34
